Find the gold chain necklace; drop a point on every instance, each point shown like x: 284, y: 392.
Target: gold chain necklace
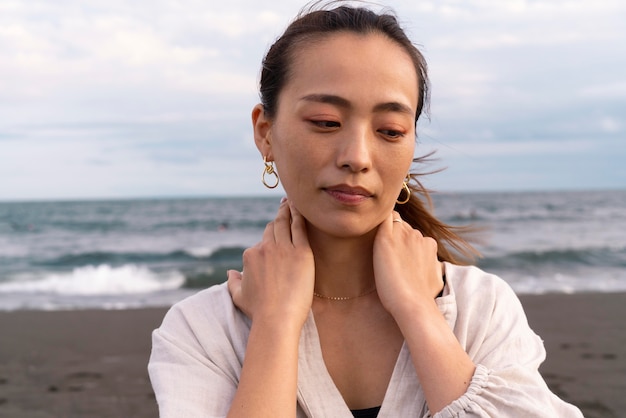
x: 343, y: 297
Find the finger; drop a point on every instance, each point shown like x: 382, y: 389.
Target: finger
x: 235, y: 280
x: 299, y: 235
x: 282, y: 223
x: 396, y: 219
x: 268, y: 233
x: 234, y: 283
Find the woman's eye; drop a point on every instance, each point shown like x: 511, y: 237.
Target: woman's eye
x: 326, y: 124
x: 391, y: 133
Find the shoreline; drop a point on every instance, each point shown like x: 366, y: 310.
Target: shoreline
x: 79, y: 363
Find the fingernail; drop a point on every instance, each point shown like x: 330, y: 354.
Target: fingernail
x: 283, y: 199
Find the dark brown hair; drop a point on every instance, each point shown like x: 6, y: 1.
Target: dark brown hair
x: 314, y: 23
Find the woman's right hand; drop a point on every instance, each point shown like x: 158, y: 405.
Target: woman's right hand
x: 278, y: 275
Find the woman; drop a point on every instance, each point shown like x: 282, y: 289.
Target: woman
x: 351, y: 304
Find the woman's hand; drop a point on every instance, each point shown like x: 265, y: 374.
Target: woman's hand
x: 405, y: 265
x: 408, y: 278
x: 275, y: 290
x: 278, y: 273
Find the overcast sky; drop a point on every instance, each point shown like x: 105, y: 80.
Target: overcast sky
x: 121, y: 98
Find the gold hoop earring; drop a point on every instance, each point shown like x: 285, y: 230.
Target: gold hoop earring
x: 269, y: 169
x: 405, y: 187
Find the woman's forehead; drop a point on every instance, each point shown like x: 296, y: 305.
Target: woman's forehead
x: 344, y: 63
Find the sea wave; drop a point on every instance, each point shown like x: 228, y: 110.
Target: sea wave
x: 587, y: 279
x: 219, y: 255
x: 212, y: 224
x: 571, y: 257
x: 206, y: 278
x: 98, y: 280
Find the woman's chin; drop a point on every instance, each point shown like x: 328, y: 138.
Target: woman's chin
x: 340, y: 229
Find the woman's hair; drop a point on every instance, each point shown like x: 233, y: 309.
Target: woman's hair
x: 313, y: 24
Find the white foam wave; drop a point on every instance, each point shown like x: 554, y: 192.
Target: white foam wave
x: 99, y: 280
x: 607, y: 281
x: 200, y: 252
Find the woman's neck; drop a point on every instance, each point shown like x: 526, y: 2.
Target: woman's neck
x: 343, y: 266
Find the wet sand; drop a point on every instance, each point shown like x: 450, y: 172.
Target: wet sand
x: 93, y: 363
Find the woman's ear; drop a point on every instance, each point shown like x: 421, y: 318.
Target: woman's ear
x: 262, y: 127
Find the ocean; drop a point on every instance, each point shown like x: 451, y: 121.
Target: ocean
x: 121, y: 254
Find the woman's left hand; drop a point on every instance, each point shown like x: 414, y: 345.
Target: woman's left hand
x: 406, y: 267
x: 408, y: 279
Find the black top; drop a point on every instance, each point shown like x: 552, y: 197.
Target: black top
x: 366, y: 413
x: 444, y: 286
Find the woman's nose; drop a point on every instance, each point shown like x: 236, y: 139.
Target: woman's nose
x: 355, y: 150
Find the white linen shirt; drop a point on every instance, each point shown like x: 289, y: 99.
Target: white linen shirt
x: 198, y: 352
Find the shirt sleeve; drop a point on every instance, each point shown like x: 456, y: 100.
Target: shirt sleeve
x: 492, y: 327
x: 187, y: 380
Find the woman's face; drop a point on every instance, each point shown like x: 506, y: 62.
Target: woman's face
x: 344, y: 132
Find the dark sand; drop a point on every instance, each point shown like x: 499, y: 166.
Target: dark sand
x: 585, y: 337
x: 93, y: 363
x: 76, y: 363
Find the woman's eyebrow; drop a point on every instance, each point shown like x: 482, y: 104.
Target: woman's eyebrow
x: 328, y: 98
x: 394, y: 107
x: 344, y: 103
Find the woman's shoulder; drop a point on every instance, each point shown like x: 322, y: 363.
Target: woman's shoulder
x: 489, y: 319
x: 472, y: 280
x: 197, y: 354
x: 210, y: 312
x: 472, y: 288
x: 215, y: 298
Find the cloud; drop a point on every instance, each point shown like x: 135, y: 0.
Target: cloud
x: 610, y: 125
x: 52, y: 49
x: 124, y: 98
x: 613, y: 90
x: 518, y: 148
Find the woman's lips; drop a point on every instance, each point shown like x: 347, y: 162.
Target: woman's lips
x: 348, y: 194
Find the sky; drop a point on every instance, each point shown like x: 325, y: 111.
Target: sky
x: 136, y: 98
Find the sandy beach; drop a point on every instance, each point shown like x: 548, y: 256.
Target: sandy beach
x: 585, y: 338
x: 93, y: 363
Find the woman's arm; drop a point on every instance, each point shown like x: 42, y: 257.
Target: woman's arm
x: 488, y: 365
x: 408, y: 278
x: 491, y: 326
x: 275, y: 291
x: 267, y: 386
x: 443, y: 367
